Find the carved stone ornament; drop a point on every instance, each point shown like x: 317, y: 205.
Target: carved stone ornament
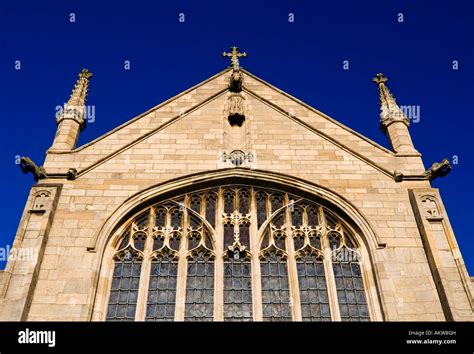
x: 41, y: 201
x: 430, y: 207
x: 27, y: 165
x: 235, y: 106
x: 237, y: 157
x: 236, y: 81
x: 438, y: 169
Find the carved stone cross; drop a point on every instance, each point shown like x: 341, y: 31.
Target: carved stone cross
x: 234, y: 56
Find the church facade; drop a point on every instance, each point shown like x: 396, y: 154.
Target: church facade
x: 234, y: 201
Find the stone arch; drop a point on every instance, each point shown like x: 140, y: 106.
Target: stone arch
x: 108, y: 236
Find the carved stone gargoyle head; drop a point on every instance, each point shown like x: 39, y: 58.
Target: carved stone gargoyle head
x: 236, y: 80
x: 27, y: 165
x: 439, y: 169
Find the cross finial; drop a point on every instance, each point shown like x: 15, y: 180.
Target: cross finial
x: 234, y: 57
x: 380, y: 79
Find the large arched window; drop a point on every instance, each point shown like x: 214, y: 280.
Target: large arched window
x: 237, y: 253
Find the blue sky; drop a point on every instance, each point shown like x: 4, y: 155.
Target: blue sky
x: 304, y: 58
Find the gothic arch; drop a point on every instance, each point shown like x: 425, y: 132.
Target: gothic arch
x: 113, y: 227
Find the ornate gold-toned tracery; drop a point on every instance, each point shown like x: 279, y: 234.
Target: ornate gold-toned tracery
x: 237, y: 253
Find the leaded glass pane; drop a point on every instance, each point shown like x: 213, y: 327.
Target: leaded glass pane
x: 312, y: 216
x: 124, y: 290
x: 229, y: 197
x: 228, y: 235
x: 160, y: 220
x: 176, y: 218
x: 195, y: 203
x: 199, y: 304
x: 350, y: 291
x: 313, y: 290
x: 244, y: 201
x: 139, y: 241
x: 244, y: 235
x: 297, y: 217
x: 276, y: 200
x: 261, y: 207
x: 237, y: 290
x: 162, y: 289
x: 275, y: 289
x: 211, y: 208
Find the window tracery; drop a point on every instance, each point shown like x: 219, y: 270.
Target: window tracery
x: 218, y: 244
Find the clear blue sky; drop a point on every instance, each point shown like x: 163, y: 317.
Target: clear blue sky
x: 304, y: 58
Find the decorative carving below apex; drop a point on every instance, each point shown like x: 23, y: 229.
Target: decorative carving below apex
x: 27, y: 165
x: 238, y: 157
x: 235, y: 108
x: 236, y: 81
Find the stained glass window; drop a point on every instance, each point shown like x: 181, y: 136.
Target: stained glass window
x: 211, y: 208
x: 350, y: 291
x: 162, y: 288
x: 172, y: 239
x: 199, y: 304
x: 275, y: 288
x: 261, y: 207
x: 125, y: 284
x: 237, y: 288
x: 313, y: 289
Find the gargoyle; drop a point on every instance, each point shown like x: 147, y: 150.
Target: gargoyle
x: 438, y: 169
x: 27, y: 165
x: 236, y: 81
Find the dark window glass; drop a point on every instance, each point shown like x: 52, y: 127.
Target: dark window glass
x: 228, y: 235
x: 237, y: 290
x: 229, y: 197
x: 176, y: 218
x: 124, y: 290
x: 158, y: 242
x: 315, y: 240
x: 313, y: 290
x: 279, y: 220
x: 195, y: 203
x: 162, y: 289
x: 244, y: 235
x: 350, y: 291
x: 139, y: 240
x: 312, y: 216
x: 276, y: 200
x: 160, y: 217
x: 244, y: 201
x: 199, y: 304
x: 261, y: 208
x: 211, y: 209
x: 275, y: 290
x: 297, y: 217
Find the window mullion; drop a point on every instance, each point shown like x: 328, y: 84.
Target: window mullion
x: 295, y: 302
x: 145, y: 270
x: 219, y: 263
x: 255, y: 263
x: 182, y: 265
x: 328, y: 270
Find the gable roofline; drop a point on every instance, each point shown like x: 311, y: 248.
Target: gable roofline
x: 134, y: 119
x: 332, y: 120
